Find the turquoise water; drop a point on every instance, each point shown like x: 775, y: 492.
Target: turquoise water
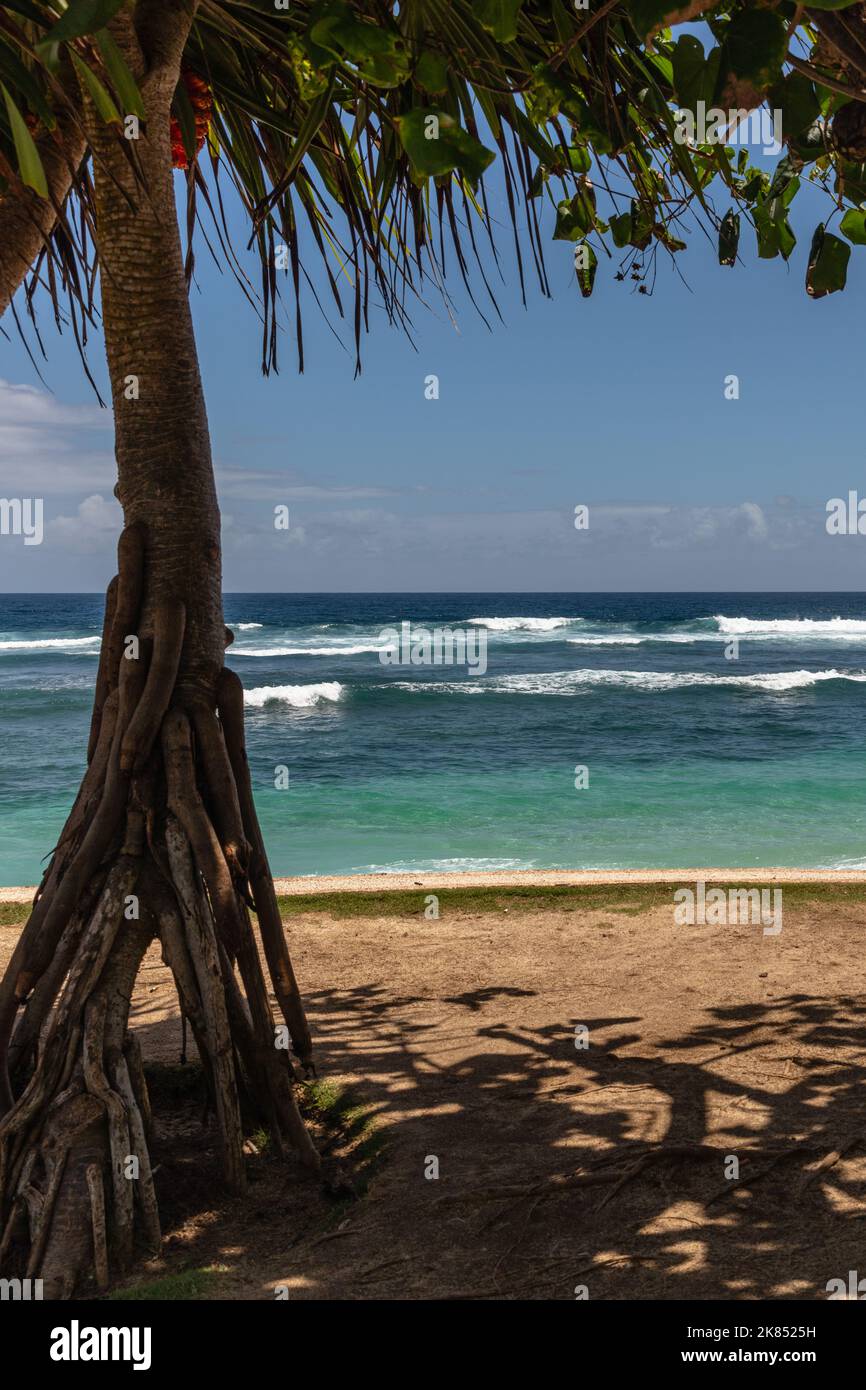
x: 693, y: 758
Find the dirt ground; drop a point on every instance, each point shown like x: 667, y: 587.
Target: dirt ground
x: 559, y: 1166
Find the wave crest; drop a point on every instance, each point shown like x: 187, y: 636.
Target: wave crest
x: 49, y: 644
x: 567, y: 682
x: 523, y: 624
x: 298, y: 696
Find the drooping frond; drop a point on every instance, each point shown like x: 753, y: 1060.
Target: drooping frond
x: 356, y: 135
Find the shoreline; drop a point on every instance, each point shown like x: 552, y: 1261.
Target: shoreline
x: 304, y: 885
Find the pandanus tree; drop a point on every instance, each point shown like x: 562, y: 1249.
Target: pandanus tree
x: 354, y: 135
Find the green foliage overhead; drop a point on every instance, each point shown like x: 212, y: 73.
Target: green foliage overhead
x: 360, y: 133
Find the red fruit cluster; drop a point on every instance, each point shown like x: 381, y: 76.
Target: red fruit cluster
x: 201, y: 101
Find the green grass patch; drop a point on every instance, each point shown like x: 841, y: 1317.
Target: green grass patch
x: 337, y: 1108
x: 14, y: 914
x: 626, y: 899
x: 186, y: 1286
x: 348, y: 1121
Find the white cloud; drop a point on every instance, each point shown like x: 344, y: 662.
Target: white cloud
x: 275, y: 486
x: 47, y: 447
x: 94, y: 528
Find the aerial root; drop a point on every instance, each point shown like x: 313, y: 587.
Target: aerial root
x: 164, y: 819
x: 97, y: 1216
x: 230, y: 701
x: 222, y: 788
x: 144, y: 725
x: 201, y: 943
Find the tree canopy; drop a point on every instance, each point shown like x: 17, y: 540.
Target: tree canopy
x: 357, y: 134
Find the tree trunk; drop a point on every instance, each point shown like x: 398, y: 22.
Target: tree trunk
x: 163, y: 838
x: 26, y: 219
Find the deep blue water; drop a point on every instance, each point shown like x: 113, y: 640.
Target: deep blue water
x: 693, y: 758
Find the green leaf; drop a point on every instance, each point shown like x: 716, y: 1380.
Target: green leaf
x: 539, y: 179
x: 827, y: 270
x: 380, y: 54
x: 98, y: 93
x: 811, y: 144
x: 591, y: 125
x: 729, y: 237
x: 648, y: 16
x: 580, y: 159
x: 436, y: 144
x: 795, y: 96
x: 29, y: 164
x: 431, y: 72
x: 181, y: 109
x: 585, y: 266
x: 575, y: 216
x: 641, y: 225
x: 694, y: 75
x: 82, y: 17
x: 499, y: 18
x: 620, y: 227
x: 775, y: 236
x: 544, y: 95
x: 124, y: 82
x: 667, y: 238
x: 754, y: 48
x: 853, y: 226
x: 21, y: 82
x: 850, y: 181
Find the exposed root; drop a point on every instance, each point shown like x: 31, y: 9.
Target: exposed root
x: 100, y: 1237
x: 230, y: 699
x: 144, y: 726
x: 216, y: 1033
x: 222, y: 788
x: 162, y: 840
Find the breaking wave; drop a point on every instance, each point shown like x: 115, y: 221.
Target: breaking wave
x: 51, y: 644
x: 298, y: 696
x: 566, y: 682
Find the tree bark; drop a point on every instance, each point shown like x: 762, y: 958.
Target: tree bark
x: 26, y: 219
x: 163, y: 839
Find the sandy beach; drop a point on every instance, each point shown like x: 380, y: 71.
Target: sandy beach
x: 558, y: 1163
x: 306, y: 884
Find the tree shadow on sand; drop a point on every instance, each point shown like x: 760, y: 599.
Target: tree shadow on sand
x: 557, y: 1167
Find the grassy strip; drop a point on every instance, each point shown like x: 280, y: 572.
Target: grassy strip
x: 189, y: 1285
x: 625, y: 898
x: 629, y: 898
x: 348, y: 1125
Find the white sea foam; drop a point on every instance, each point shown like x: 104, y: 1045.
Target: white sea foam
x: 846, y: 629
x: 244, y: 627
x: 566, y: 682
x: 523, y: 624
x: 307, y: 651
x: 427, y: 866
x: 616, y: 639
x: 51, y: 644
x: 298, y: 696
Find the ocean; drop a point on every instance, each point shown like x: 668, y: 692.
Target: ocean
x: 694, y: 751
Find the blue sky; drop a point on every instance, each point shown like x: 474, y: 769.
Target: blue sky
x: 616, y: 402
